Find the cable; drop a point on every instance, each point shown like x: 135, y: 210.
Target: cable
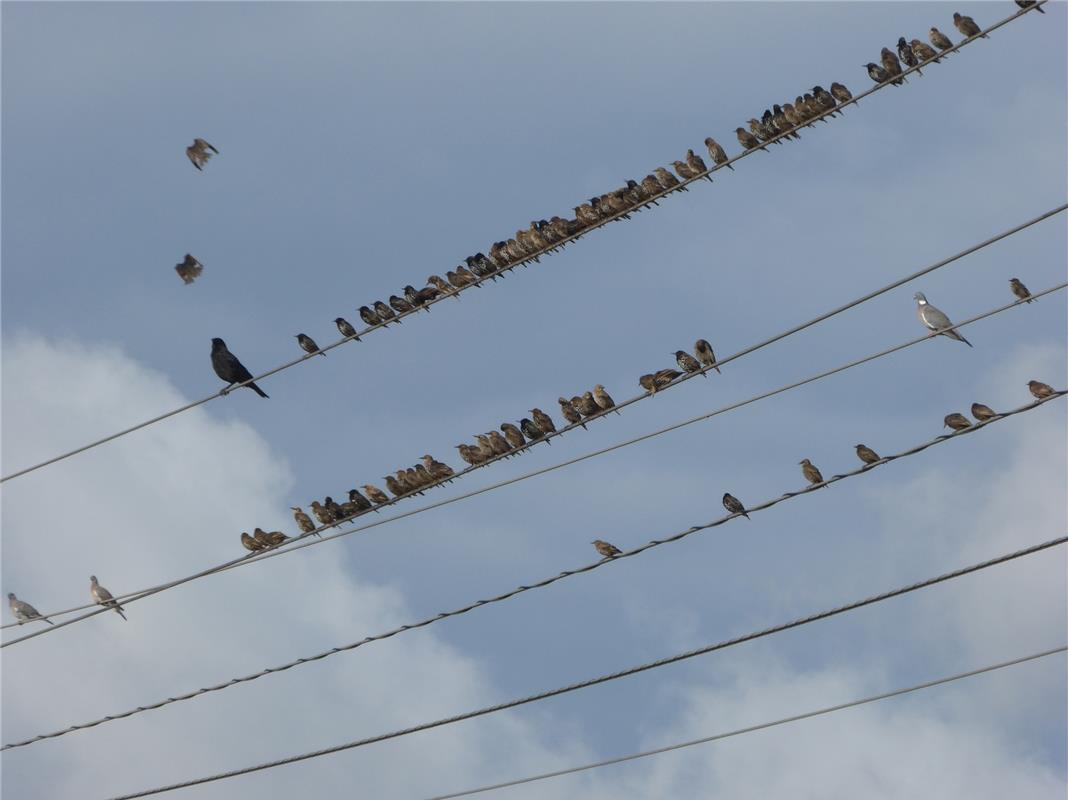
x: 533, y: 257
x: 514, y: 592
x: 604, y: 678
x: 307, y: 541
x: 752, y: 728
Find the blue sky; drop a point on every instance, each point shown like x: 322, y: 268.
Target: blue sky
x: 366, y: 146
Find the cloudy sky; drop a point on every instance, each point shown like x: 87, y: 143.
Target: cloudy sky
x: 365, y: 146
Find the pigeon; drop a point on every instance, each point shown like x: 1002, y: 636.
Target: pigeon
x: 569, y: 412
x: 605, y: 549
x: 936, y: 321
x: 687, y: 363
x: 703, y: 351
x: 939, y: 39
x: 1020, y: 290
x: 228, y: 368
x: 103, y: 597
x: 602, y: 398
x: 308, y: 345
x: 346, y: 329
x: 252, y: 545
x: 967, y: 26
x: 957, y: 422
x: 23, y: 611
x: 1040, y: 390
x: 304, y: 521
x: 983, y: 413
x: 513, y: 435
x: 189, y: 270
x: 867, y: 455
x: 198, y: 153
x: 543, y: 421
x: 811, y: 472
x: 1025, y: 4
x: 374, y: 494
x: 734, y: 505
x: 716, y: 151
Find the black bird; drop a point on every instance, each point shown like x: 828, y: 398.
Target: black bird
x: 385, y: 313
x: 1028, y: 4
x: 734, y: 505
x: 369, y: 316
x: 687, y: 362
x: 877, y: 73
x: 308, y: 345
x: 531, y: 430
x: 228, y: 368
x: 346, y: 328
x: 1018, y: 288
x: 907, y: 56
x: 400, y: 304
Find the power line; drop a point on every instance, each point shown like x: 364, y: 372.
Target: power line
x: 307, y: 541
x: 507, y: 268
x: 604, y: 678
x: 752, y: 728
x: 540, y: 584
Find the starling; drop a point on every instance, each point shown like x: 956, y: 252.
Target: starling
x: 485, y: 447
x: 1020, y: 290
x: 703, y: 351
x: 530, y: 430
x: 261, y: 537
x: 439, y: 282
x: 569, y: 412
x: 304, y: 521
x: 425, y: 295
x: 877, y: 73
x: 369, y: 316
x: 924, y: 52
x: 686, y: 362
x: 394, y: 486
x: 748, y: 140
x: 841, y: 93
x: 275, y: 538
x: 667, y: 180
x: 824, y: 98
x: 957, y: 422
x: 761, y: 131
x: 385, y: 313
x: 399, y: 304
x: 460, y: 277
x: 867, y: 455
x: 811, y: 473
x: 939, y: 39
x: 791, y: 115
x: 906, y: 54
x: 983, y: 413
x: 360, y: 502
x: 189, y: 270
x: 228, y: 368
x: 335, y: 510
x: 586, y: 404
x: 603, y: 400
x: 665, y: 376
x: 647, y: 383
x: 436, y: 468
x: 308, y: 345
x: 717, y: 153
x: 499, y: 444
x: 891, y: 65
x: 734, y: 505
x: 414, y: 479
x: 414, y: 297
x: 605, y: 549
x: 585, y: 214
x: 322, y: 513
x: 1025, y: 4
x: 513, y: 435
x: 469, y: 454
x: 651, y: 186
x: 683, y: 170
x: 199, y: 155
x: 374, y: 494
x: 967, y: 26
x: 424, y: 476
x: 696, y: 163
x: 935, y: 321
x: 543, y: 421
x: 103, y: 597
x: 346, y: 329
x: 23, y: 611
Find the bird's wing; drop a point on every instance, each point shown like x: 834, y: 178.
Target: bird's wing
x: 934, y: 318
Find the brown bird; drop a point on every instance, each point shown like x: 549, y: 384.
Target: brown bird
x: 346, y: 329
x: 957, y: 422
x: 543, y: 421
x: 394, y: 486
x: 665, y: 376
x: 499, y: 443
x: 983, y: 413
x: 513, y: 435
x: 811, y: 472
x: 1020, y: 290
x: 437, y: 468
x: 308, y: 345
x: 696, y: 163
x: 841, y: 93
x: 251, y: 544
x: 867, y: 455
x: 569, y: 412
x: 304, y: 521
x: 189, y: 270
x: 276, y: 538
x: 647, y: 383
x: 924, y: 52
x: 684, y: 170
x: 585, y: 404
x: 967, y: 26
x: 374, y: 494
x: 651, y: 186
x: 469, y: 454
x: 907, y: 55
x: 605, y: 549
x: 602, y: 398
x: 748, y: 140
x: 891, y: 65
x: 385, y: 313
x: 734, y: 505
x: 485, y: 448
x: 703, y: 350
x: 939, y: 39
x: 687, y: 362
x: 199, y: 154
x: 1040, y: 390
x: 667, y: 180
x: 322, y: 513
x: 439, y: 282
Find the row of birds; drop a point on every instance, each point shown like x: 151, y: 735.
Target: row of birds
x: 915, y: 52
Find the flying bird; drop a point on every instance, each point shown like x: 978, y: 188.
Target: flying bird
x: 967, y: 26
x: 717, y: 153
x: 957, y: 422
x: 606, y: 549
x: 983, y: 413
x: 1020, y: 290
x: 939, y: 39
x: 308, y: 345
x: 189, y: 270
x: 103, y: 597
x: 811, y: 472
x: 199, y: 154
x: 734, y: 505
x: 1040, y: 390
x: 23, y: 611
x: 687, y: 363
x: 346, y: 329
x: 934, y: 320
x: 227, y: 367
x: 867, y: 455
x: 703, y: 350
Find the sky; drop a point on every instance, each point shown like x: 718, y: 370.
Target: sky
x: 366, y: 146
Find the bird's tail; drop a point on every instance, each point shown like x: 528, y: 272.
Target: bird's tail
x: 745, y: 515
x: 118, y: 610
x: 717, y: 369
x: 257, y: 390
x: 46, y: 619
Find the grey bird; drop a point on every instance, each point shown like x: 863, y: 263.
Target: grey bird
x: 308, y: 345
x: 199, y: 152
x: 734, y: 505
x: 513, y: 435
x: 345, y: 328
x: 982, y: 412
x: 867, y: 455
x: 939, y: 39
x: 189, y: 270
x: 967, y: 26
x: 687, y: 363
x: 717, y: 153
x: 606, y: 549
x: 1020, y: 290
x: 934, y: 320
x: 227, y: 367
x: 703, y: 350
x: 811, y: 472
x: 569, y: 412
x: 23, y: 611
x: 957, y: 422
x: 103, y: 597
x: 1040, y: 390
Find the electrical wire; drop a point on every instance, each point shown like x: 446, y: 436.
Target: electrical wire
x: 307, y: 541
x: 683, y: 184
x: 753, y: 728
x: 520, y: 590
x: 721, y: 645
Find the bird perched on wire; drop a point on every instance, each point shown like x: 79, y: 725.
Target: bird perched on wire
x: 442, y: 286
x: 199, y: 152
x: 384, y: 312
x: 982, y: 412
x: 877, y: 73
x: 23, y: 611
x: 811, y: 472
x: 687, y: 363
x: 1040, y: 390
x: 570, y: 413
x: 585, y: 404
x: 437, y: 468
x: 360, y: 502
x: 485, y: 446
x: 1020, y: 290
x: 923, y: 52
x: 717, y: 153
x: 907, y: 55
x: 1025, y: 4
x: 939, y: 39
x: 268, y: 540
x: 703, y: 350
x: 734, y: 505
x: 606, y: 549
x: 322, y: 513
x: 867, y: 455
x: 667, y: 180
x: 304, y: 521
x: 469, y: 454
x: 602, y: 398
x: 103, y: 597
x: 251, y: 544
x: 399, y: 304
x: 748, y: 140
x: 530, y: 430
x: 647, y: 383
x: 394, y: 486
x: 683, y: 169
x: 227, y: 367
x: 374, y: 494
x: 308, y: 345
x: 651, y: 187
x: 543, y: 421
x: 665, y: 376
x: 967, y: 26
x: 499, y: 443
x: 189, y: 270
x: 957, y: 422
x: 936, y: 321
x: 841, y: 93
x: 334, y: 508
x: 513, y: 435
x: 368, y: 316
x: 697, y: 164
x: 346, y: 329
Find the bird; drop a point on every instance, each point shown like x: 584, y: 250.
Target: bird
x: 469, y: 454
x: 438, y: 469
x: 23, y: 611
x: 103, y: 597
x: 606, y: 549
x: 647, y: 383
x: 683, y: 169
x: 983, y: 413
x: 227, y: 367
x: 262, y: 538
x: 1020, y: 290
x: 936, y: 321
x: 346, y: 329
x: 957, y: 422
x: 394, y: 486
x: 939, y: 39
x: 703, y: 350
x: 308, y: 345
x: 251, y: 544
x: 696, y: 163
x: 385, y: 313
x: 499, y: 444
x: 513, y: 435
x: 275, y: 538
x: 368, y: 316
x: 400, y: 304
x: 374, y: 494
x: 907, y: 55
x: 189, y: 270
x: 358, y: 501
x: 1040, y: 390
x: 841, y: 93
x: 530, y: 430
x: 665, y: 376
x: 586, y: 405
x: 335, y: 509
x: 734, y: 505
x: 867, y: 455
x: 485, y: 446
x: 304, y: 521
x: 811, y: 472
x: 602, y: 398
x: 924, y: 52
x: 717, y: 153
x: 543, y: 421
x: 748, y: 140
x: 1025, y: 4
x: 877, y: 73
x: 667, y: 180
x: 439, y: 282
x: 322, y: 513
x: 686, y: 362
x: 967, y: 26
x: 570, y: 413
x: 198, y: 153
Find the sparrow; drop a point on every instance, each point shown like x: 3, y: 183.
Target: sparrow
x: 399, y: 304
x: 603, y: 400
x: 103, y: 597
x: 23, y: 611
x: 967, y: 26
x: 346, y: 329
x: 199, y: 155
x: 570, y: 413
x: 734, y: 505
x: 369, y: 316
x: 303, y: 521
x: 939, y: 39
x: 983, y: 413
x: 374, y: 494
x: 513, y: 435
x: 1019, y: 289
x: 227, y: 367
x: 841, y: 93
x: 686, y: 362
x: 867, y: 455
x: 1040, y: 390
x: 957, y: 422
x: 543, y: 421
x: 308, y: 345
x: 748, y: 140
x: 717, y: 153
x: 810, y: 471
x: 936, y: 321
x: 703, y: 351
x: 605, y: 549
x: 189, y: 270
